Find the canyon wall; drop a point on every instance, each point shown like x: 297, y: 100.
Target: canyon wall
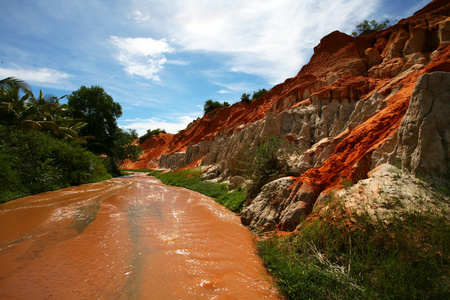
x: 359, y: 103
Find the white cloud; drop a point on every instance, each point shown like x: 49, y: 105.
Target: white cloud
x: 42, y: 76
x: 224, y: 91
x: 142, y: 56
x: 233, y: 87
x: 270, y: 38
x: 140, y: 17
x: 141, y: 125
x: 178, y: 62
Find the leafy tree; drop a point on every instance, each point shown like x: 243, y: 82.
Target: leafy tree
x: 122, y: 146
x: 211, y: 105
x: 150, y: 133
x: 98, y: 109
x: 245, y: 98
x: 368, y: 27
x: 259, y: 94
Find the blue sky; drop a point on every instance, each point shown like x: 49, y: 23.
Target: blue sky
x: 162, y: 59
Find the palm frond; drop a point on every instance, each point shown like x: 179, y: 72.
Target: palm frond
x: 12, y: 81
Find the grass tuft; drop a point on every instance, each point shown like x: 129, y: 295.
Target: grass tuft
x: 191, y: 179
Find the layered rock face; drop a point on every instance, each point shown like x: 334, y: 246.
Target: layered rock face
x: 423, y: 138
x: 359, y: 103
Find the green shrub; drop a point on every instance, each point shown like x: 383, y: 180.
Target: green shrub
x: 264, y: 164
x: 245, y: 98
x: 367, y: 28
x: 233, y: 200
x: 33, y: 162
x: 150, y: 133
x: 211, y: 106
x: 258, y: 94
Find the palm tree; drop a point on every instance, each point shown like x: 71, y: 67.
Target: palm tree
x: 13, y: 96
x: 19, y: 107
x: 50, y: 116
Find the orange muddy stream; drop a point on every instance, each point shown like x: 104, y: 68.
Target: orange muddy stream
x: 126, y: 238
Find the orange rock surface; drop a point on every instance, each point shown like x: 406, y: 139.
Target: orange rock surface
x: 341, y: 67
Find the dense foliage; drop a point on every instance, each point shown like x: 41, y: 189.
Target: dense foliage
x: 20, y: 108
x: 339, y: 255
x: 246, y: 97
x: 211, y: 105
x: 191, y: 179
x: 43, y: 142
x: 122, y: 146
x: 367, y: 27
x: 258, y: 94
x: 150, y: 133
x: 98, y: 109
x: 32, y: 162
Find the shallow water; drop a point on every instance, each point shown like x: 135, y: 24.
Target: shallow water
x: 126, y: 238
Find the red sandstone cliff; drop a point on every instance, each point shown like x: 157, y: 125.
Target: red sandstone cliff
x: 352, y: 96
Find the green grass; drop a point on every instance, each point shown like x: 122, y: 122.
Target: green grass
x: 334, y: 257
x: 191, y: 179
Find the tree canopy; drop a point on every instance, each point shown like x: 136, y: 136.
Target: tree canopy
x: 211, y: 105
x: 258, y: 94
x: 20, y: 108
x: 41, y: 139
x: 150, y: 133
x: 367, y: 27
x: 96, y: 108
x: 246, y: 97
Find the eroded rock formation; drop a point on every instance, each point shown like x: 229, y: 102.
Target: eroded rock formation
x: 359, y: 103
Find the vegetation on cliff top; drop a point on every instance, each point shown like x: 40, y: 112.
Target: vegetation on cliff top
x: 256, y: 94
x: 211, y: 106
x: 150, y: 133
x: 367, y: 27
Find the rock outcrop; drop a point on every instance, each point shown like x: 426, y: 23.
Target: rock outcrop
x: 388, y: 191
x: 359, y: 103
x: 423, y: 142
